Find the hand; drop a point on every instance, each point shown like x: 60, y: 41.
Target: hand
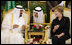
x: 15, y: 26
x: 46, y: 27
x: 55, y: 28
x: 23, y: 26
x: 58, y: 36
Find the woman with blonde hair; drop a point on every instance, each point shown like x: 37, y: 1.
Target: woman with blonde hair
x: 60, y: 26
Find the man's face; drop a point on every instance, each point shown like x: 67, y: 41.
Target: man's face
x: 36, y: 14
x: 21, y: 11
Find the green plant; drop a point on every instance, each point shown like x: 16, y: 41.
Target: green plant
x: 37, y: 27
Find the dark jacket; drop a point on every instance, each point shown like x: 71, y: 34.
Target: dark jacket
x: 64, y: 26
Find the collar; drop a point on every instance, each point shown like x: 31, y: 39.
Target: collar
x: 61, y: 18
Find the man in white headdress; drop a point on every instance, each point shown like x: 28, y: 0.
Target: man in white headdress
x: 38, y: 15
x: 12, y: 25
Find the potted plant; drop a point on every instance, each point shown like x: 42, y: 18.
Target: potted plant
x: 37, y: 28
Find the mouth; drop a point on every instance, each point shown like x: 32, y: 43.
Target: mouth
x: 56, y: 14
x: 20, y: 13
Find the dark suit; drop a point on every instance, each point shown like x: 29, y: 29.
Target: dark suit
x: 63, y: 28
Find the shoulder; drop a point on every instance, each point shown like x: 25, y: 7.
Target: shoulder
x: 24, y: 14
x: 66, y: 18
x: 9, y: 11
x: 8, y: 15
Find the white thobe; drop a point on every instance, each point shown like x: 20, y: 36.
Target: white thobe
x: 19, y: 21
x: 15, y: 37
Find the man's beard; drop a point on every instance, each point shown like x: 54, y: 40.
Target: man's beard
x: 36, y: 16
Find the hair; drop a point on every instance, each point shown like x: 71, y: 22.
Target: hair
x: 59, y: 9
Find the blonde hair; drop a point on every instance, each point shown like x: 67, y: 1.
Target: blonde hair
x: 59, y: 9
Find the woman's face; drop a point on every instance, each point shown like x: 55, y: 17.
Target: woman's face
x: 57, y: 13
